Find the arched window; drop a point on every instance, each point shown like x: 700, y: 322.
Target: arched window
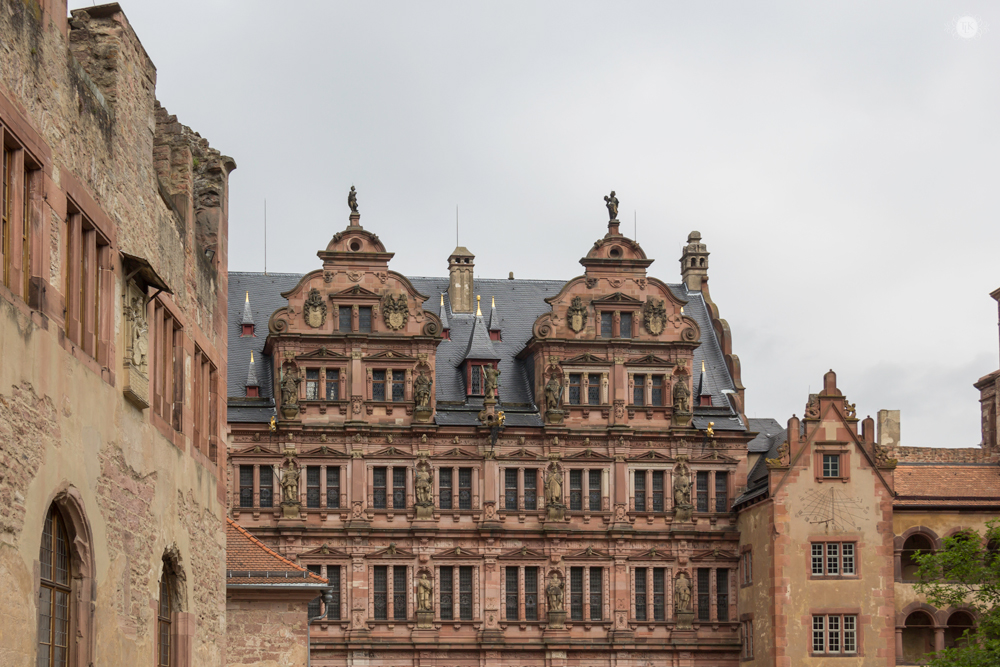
x: 958, y: 623
x: 918, y: 637
x: 54, y: 593
x: 164, y: 610
x: 913, y: 544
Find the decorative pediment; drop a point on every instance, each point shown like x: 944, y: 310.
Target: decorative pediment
x: 326, y: 450
x: 389, y: 355
x: 391, y: 453
x: 715, y: 456
x: 587, y: 455
x: 322, y: 352
x: 651, y: 455
x: 257, y: 448
x: 391, y: 551
x: 653, y: 554
x: 456, y: 553
x: 524, y: 553
x: 588, y: 553
x: 649, y: 360
x: 618, y: 299
x: 326, y: 550
x: 715, y: 555
x: 456, y: 453
x: 521, y: 455
x: 586, y: 358
x: 355, y: 291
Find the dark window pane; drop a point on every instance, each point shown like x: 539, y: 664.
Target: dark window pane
x: 607, y: 320
x: 594, y: 389
x: 530, y: 489
x: 316, y: 604
x: 465, y: 593
x: 332, y: 385
x: 465, y: 488
x: 704, y: 594
x: 266, y: 486
x: 510, y: 489
x: 576, y: 489
x: 345, y: 319
x: 574, y: 388
x: 477, y: 380
x: 511, y: 586
x: 640, y: 594
x: 626, y: 325
x: 721, y: 492
x: 831, y: 465
x: 333, y: 486
x: 657, y: 397
x: 381, y: 592
x: 398, y: 383
x: 639, y: 390
x: 399, y: 592
x: 657, y: 490
x: 398, y: 488
x: 378, y: 385
x: 659, y: 595
x: 722, y: 598
x: 246, y: 486
x: 640, y: 492
x: 378, y: 488
x: 702, y: 491
x: 333, y: 575
x: 312, y: 384
x: 596, y: 593
x: 444, y: 488
x: 531, y: 593
x: 312, y: 486
x: 594, y: 490
x: 365, y: 319
x: 447, y: 594
x: 576, y: 593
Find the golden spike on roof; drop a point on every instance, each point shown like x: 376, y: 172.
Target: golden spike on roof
x: 442, y: 298
x: 251, y: 356
x: 493, y: 302
x: 702, y: 365
x: 479, y: 313
x: 248, y: 297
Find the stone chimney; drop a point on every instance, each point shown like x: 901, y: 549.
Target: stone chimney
x: 694, y: 262
x: 888, y: 428
x: 460, y: 287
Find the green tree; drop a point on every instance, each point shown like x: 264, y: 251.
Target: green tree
x: 966, y: 572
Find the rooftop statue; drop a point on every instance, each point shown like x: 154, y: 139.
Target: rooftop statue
x: 352, y: 200
x: 612, y: 201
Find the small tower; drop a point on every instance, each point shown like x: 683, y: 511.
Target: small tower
x: 694, y: 262
x: 494, y: 325
x: 252, y: 384
x: 704, y: 393
x: 460, y: 286
x: 445, y: 327
x: 248, y: 326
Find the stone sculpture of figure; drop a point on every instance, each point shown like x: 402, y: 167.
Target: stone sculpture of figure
x: 422, y: 390
x: 681, y: 395
x: 553, y: 486
x: 612, y: 201
x: 492, y: 376
x: 290, y: 483
x: 682, y: 490
x: 682, y: 593
x: 290, y: 388
x: 352, y: 200
x: 553, y: 394
x: 554, y: 593
x: 423, y: 484
x: 425, y: 593
x: 139, y: 335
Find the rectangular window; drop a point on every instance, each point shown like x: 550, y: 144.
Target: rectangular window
x: 747, y: 631
x: 88, y: 255
x: 476, y: 380
x: 657, y: 395
x: 574, y: 388
x: 398, y: 488
x: 332, y: 384
x: 721, y: 491
x: 447, y: 598
x: 465, y: 488
x: 607, y: 323
x: 312, y: 486
x: 267, y: 486
x: 167, y: 372
x: 316, y: 604
x: 819, y: 634
x: 847, y: 559
x: 378, y: 488
x: 704, y: 594
x: 596, y: 593
x: 510, y: 489
x: 511, y: 593
x: 204, y: 404
x: 594, y: 389
x: 381, y: 593
x: 6, y: 209
x: 399, y: 592
x: 445, y: 488
x: 530, y: 489
x: 834, y: 633
x: 594, y: 491
x: 850, y: 634
x: 378, y: 385
x: 312, y: 384
x: 333, y: 576
x: 365, y: 319
x: 531, y: 593
x: 639, y: 390
x: 702, y: 491
x: 659, y: 594
x: 640, y: 594
x: 658, y: 491
x: 465, y: 592
x: 576, y: 593
x: 639, y: 483
x: 833, y: 559
x: 15, y: 225
x: 333, y: 487
x: 817, y: 560
x: 576, y: 489
x: 746, y: 565
x: 246, y: 486
x: 831, y: 465
x: 722, y: 594
x: 344, y: 315
x: 625, y: 325
x: 398, y: 385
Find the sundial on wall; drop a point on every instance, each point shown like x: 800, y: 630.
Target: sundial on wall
x: 832, y: 508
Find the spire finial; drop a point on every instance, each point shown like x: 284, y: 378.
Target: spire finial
x: 479, y: 313
x: 248, y: 297
x: 442, y: 298
x: 493, y: 302
x: 251, y: 356
x: 702, y: 365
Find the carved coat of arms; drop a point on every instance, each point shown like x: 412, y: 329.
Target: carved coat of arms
x: 654, y: 316
x: 395, y: 311
x: 576, y: 316
x: 314, y: 309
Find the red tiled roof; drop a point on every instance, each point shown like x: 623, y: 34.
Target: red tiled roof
x: 947, y: 485
x: 245, y: 553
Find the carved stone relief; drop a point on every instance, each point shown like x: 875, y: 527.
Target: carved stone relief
x: 654, y: 316
x: 576, y: 316
x: 395, y: 311
x: 314, y: 309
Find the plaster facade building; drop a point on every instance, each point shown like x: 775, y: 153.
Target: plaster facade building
x: 113, y: 331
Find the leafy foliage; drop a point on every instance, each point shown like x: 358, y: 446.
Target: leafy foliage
x: 966, y: 573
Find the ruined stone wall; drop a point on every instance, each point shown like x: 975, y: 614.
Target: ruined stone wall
x: 80, y: 95
x: 266, y: 629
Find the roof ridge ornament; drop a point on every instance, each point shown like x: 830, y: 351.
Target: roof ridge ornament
x: 352, y: 202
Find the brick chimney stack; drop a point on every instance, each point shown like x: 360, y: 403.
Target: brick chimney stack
x: 694, y: 262
x: 460, y: 284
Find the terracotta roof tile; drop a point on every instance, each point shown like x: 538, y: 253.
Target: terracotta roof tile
x: 245, y: 553
x: 947, y: 484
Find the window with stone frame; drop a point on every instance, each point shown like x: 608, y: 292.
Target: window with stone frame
x: 831, y: 465
x: 518, y: 607
x: 388, y: 385
x: 833, y: 559
x: 364, y: 319
x: 19, y: 175
x: 722, y: 594
x: 312, y: 384
x: 316, y: 604
x: 246, y: 486
x: 164, y: 609
x: 593, y: 389
x: 205, y: 384
x: 266, y: 486
x: 656, y: 391
x: 701, y: 490
x: 389, y: 596
x: 607, y: 324
x: 639, y: 390
x: 313, y: 488
x: 650, y: 594
x: 704, y: 594
x: 746, y: 632
x: 475, y: 379
x: 834, y: 634
x: 333, y: 577
x: 746, y: 567
x: 586, y: 593
x: 87, y: 275
x: 379, y: 489
x: 520, y: 489
x: 332, y: 384
x: 510, y: 489
x: 648, y: 490
x: 55, y: 593
x: 575, y: 387
x: 721, y: 491
x: 166, y: 342
x: 344, y: 319
x: 333, y: 487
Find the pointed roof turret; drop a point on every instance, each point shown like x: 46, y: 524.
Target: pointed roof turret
x: 704, y: 394
x: 247, y: 313
x: 480, y: 346
x: 494, y: 320
x: 252, y: 373
x: 444, y: 315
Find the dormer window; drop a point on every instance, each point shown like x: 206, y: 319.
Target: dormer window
x: 247, y: 330
x: 253, y: 392
x: 476, y: 380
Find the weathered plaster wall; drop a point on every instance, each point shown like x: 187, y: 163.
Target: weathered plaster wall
x: 266, y: 631
x: 756, y: 600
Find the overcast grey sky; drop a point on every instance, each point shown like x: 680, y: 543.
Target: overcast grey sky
x: 840, y: 160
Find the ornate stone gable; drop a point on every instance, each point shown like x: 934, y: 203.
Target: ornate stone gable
x: 654, y: 316
x: 395, y: 311
x: 576, y: 316
x: 314, y: 309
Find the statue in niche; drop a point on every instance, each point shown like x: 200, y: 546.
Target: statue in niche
x: 612, y: 203
x: 492, y: 378
x: 422, y: 390
x: 424, y: 487
x: 140, y: 334
x: 290, y: 387
x: 290, y: 483
x: 554, y: 592
x: 425, y: 593
x: 682, y: 593
x: 553, y: 485
x: 682, y: 491
x: 553, y: 394
x: 681, y: 394
x: 352, y: 200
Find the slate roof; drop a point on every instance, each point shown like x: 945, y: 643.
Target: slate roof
x: 770, y: 437
x: 765, y: 428
x: 518, y: 304
x: 245, y: 554
x: 947, y: 484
